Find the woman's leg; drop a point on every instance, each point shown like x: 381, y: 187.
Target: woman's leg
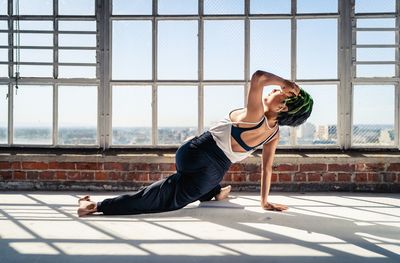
x: 157, y: 197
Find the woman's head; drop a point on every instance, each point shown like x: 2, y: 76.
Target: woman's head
x: 297, y: 109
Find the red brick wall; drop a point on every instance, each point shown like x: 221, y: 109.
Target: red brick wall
x: 243, y: 176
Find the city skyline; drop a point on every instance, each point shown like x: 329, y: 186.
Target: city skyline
x: 308, y: 134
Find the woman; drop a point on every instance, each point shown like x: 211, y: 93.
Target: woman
x: 202, y: 161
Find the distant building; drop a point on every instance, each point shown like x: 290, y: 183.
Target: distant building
x: 384, y: 137
x: 322, y: 132
x: 308, y: 130
x: 332, y: 132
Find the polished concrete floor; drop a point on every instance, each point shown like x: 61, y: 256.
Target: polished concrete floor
x: 319, y: 227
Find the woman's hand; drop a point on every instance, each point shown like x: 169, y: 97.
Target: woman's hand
x: 274, y: 207
x: 290, y: 88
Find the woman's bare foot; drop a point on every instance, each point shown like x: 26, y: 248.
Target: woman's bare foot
x: 224, y: 193
x: 86, y: 206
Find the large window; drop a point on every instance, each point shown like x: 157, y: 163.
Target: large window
x: 150, y: 73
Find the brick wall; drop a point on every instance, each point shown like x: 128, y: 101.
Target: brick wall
x: 380, y: 173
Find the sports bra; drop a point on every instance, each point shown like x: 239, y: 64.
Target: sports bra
x: 236, y: 133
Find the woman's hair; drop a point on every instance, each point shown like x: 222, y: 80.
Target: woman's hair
x: 299, y: 109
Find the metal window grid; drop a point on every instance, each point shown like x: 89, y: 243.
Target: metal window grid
x: 103, y: 16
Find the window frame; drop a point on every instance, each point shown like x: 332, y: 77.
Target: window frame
x: 346, y: 79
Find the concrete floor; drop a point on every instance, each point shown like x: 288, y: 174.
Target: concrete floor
x: 322, y: 227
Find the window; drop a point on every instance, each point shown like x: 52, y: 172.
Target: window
x: 270, y: 54
x: 321, y: 127
x: 223, y: 49
x: 153, y: 75
x: 77, y: 115
x: 33, y: 118
x: 177, y: 113
x: 76, y: 7
x: 131, y: 115
x: 177, y: 50
x: 33, y: 7
x: 129, y: 7
x: 3, y: 114
x: 270, y: 7
x: 373, y: 115
x: 3, y: 7
x: 323, y: 6
x: 317, y: 47
x: 131, y: 50
x: 216, y: 109
x: 177, y: 7
x: 223, y: 7
x: 372, y: 6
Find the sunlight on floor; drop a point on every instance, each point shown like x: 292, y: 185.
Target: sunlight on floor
x: 318, y: 226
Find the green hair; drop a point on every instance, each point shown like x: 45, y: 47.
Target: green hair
x: 299, y: 109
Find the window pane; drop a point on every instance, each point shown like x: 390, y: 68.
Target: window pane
x: 33, y: 113
x: 376, y: 22
x: 131, y: 50
x: 3, y: 55
x: 219, y: 7
x: 177, y: 113
x: 34, y: 25
x: 76, y: 7
x: 77, y: 56
x: 223, y: 50
x: 375, y: 71
x: 35, y: 71
x: 34, y: 55
x: 373, y: 115
x: 376, y: 37
x: 270, y: 7
x: 272, y: 56
x: 177, y: 7
x: 216, y: 108
x: 177, y: 50
x: 131, y: 115
x: 284, y: 135
x: 3, y: 7
x: 373, y: 6
x: 77, y: 115
x: 70, y: 40
x: 132, y: 7
x: 3, y: 71
x: 321, y: 126
x: 3, y: 24
x: 320, y: 6
x: 77, y: 25
x: 376, y: 54
x: 34, y: 7
x: 76, y: 72
x: 317, y: 59
x: 3, y: 114
x: 27, y: 39
x: 3, y: 39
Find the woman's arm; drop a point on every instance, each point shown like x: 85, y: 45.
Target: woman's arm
x: 268, y: 156
x: 259, y: 80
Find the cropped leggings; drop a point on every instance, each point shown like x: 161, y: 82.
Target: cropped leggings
x: 200, y: 166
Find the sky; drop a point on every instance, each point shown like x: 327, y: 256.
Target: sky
x: 317, y: 46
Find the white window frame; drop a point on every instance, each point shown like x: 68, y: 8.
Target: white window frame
x: 345, y: 81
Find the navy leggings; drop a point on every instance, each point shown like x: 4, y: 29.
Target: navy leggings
x: 200, y: 166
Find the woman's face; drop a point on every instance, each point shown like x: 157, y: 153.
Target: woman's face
x: 275, y: 101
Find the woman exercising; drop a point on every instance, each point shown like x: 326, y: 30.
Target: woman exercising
x: 202, y: 161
